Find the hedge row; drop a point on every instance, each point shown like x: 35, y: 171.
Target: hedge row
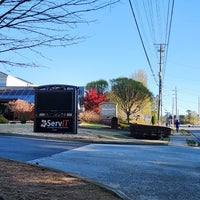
x: 140, y: 131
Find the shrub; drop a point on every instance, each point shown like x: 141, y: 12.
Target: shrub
x: 21, y: 109
x: 124, y: 125
x: 23, y: 119
x: 89, y: 116
x: 3, y: 120
x: 153, y: 119
x: 140, y: 131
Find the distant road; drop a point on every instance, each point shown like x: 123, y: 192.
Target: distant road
x: 25, y: 149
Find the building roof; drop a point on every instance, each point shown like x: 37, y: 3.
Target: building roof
x: 8, y: 80
x: 14, y: 93
x: 12, y: 88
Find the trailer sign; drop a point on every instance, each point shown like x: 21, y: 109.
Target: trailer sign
x: 56, y: 108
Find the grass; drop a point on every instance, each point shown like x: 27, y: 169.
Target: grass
x: 97, y: 125
x: 123, y: 134
x: 93, y: 125
x: 167, y: 139
x: 191, y: 143
x: 185, y: 133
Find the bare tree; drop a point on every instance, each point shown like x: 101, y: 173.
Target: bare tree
x: 140, y: 76
x: 28, y: 24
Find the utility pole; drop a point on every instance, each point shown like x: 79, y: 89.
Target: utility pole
x: 176, y: 104
x: 199, y: 109
x: 161, y: 50
x: 172, y: 122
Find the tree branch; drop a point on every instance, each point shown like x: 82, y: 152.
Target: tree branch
x: 26, y: 24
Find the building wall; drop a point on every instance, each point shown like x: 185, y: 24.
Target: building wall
x: 8, y: 80
x: 3, y: 79
x: 12, y: 81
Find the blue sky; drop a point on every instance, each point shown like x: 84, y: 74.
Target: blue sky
x: 113, y: 49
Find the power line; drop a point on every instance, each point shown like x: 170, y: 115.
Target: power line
x: 168, y: 37
x: 138, y: 29
x: 154, y: 23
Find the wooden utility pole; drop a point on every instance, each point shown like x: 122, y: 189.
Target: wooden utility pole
x: 172, y: 122
x: 199, y: 109
x: 161, y: 50
x: 176, y: 97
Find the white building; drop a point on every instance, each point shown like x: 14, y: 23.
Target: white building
x: 8, y: 80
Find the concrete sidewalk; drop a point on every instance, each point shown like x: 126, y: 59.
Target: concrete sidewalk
x: 91, y: 135
x: 177, y: 139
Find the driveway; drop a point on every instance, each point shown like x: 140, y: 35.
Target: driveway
x: 135, y: 171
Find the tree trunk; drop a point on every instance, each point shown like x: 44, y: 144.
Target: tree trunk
x: 128, y: 116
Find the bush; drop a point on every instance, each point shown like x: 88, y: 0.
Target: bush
x: 140, y: 131
x: 23, y: 120
x: 3, y: 120
x: 153, y: 119
x: 124, y: 125
x: 89, y: 116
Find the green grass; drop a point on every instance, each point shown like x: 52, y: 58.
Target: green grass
x: 185, y: 133
x: 191, y: 143
x: 93, y: 125
x: 167, y: 139
x: 109, y: 132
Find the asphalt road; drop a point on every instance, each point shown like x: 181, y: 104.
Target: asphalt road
x: 136, y: 172
x: 25, y: 149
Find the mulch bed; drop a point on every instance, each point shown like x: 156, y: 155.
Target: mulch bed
x: 21, y: 181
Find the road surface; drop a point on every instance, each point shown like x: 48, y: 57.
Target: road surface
x: 25, y: 149
x: 139, y: 172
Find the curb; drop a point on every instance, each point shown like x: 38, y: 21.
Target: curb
x: 104, y: 140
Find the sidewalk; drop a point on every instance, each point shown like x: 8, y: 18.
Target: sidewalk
x: 177, y: 139
x: 90, y: 135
